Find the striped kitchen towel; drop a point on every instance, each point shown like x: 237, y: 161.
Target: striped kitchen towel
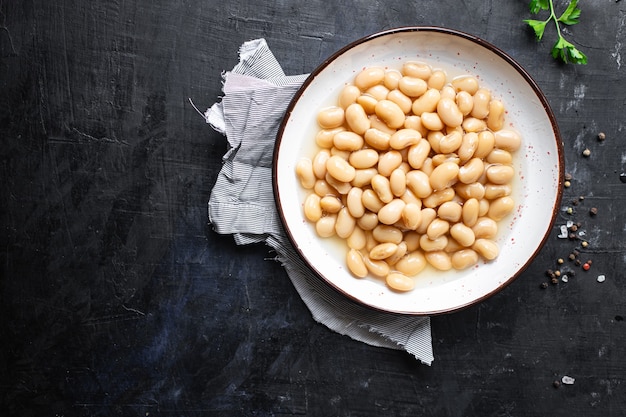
x: 256, y: 95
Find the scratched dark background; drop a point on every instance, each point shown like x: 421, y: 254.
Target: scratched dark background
x: 117, y: 298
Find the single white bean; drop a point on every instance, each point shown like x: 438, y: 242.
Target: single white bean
x: 444, y: 176
x: 354, y: 202
x: 377, y: 139
x: 464, y: 259
x: 391, y: 79
x: 486, y: 248
x: 389, y: 161
x: 431, y: 121
x: 357, y: 240
x: 363, y: 158
x: 312, y: 207
x: 501, y: 207
x: 397, y: 182
x: 369, y: 77
x: 345, y: 223
x: 399, y: 282
x: 449, y: 112
x: 482, y: 97
x: 427, y: 102
x: 450, y: 211
x: 402, y: 100
x: 404, y: 138
x: 485, y: 228
x: 471, y: 171
x: 348, y: 141
x: 495, y: 118
x: 330, y: 117
x: 384, y: 233
x: 340, y: 169
x: 439, y: 197
x: 383, y: 251
x: 462, y: 234
x: 419, y: 183
x: 500, y: 174
x: 486, y: 142
x: 493, y: 191
x: 465, y: 83
x: 348, y: 95
x: 438, y: 227
x: 319, y: 163
x: 431, y: 245
x: 507, y: 139
x: 363, y: 177
x: 437, y: 80
x: 356, y: 118
x: 412, y: 264
x: 355, y: 263
x: 412, y: 86
x: 439, y: 260
x: 390, y: 113
x: 331, y: 204
x: 465, y: 102
x: 382, y: 187
x: 304, y: 171
x: 325, y: 226
x: 450, y: 142
x: 469, y: 213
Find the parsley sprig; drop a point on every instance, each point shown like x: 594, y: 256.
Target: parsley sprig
x: 562, y: 48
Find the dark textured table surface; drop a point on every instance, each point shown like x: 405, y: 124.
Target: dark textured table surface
x: 117, y: 297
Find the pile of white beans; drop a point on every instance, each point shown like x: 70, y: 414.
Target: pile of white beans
x: 411, y: 170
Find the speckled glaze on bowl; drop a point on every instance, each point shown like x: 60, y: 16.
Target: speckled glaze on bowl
x: 538, y: 165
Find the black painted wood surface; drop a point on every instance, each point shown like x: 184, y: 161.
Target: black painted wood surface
x: 117, y: 298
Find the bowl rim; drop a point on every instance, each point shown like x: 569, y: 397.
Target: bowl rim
x: 446, y: 31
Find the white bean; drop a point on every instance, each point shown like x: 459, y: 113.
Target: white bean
x: 355, y: 263
x: 369, y: 77
x: 356, y: 118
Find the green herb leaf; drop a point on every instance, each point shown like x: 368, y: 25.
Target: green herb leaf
x: 571, y: 14
x: 568, y: 52
x: 538, y: 26
x: 537, y: 5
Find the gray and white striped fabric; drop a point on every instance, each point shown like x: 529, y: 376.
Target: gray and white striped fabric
x: 256, y: 95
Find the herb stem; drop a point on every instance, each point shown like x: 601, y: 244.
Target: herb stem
x: 556, y: 20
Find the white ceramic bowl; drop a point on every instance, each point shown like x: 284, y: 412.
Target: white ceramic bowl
x: 538, y: 164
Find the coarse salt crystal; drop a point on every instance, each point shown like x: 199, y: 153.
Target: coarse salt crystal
x: 564, y: 278
x: 567, y: 380
x: 564, y: 233
x: 601, y: 278
x: 569, y: 224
